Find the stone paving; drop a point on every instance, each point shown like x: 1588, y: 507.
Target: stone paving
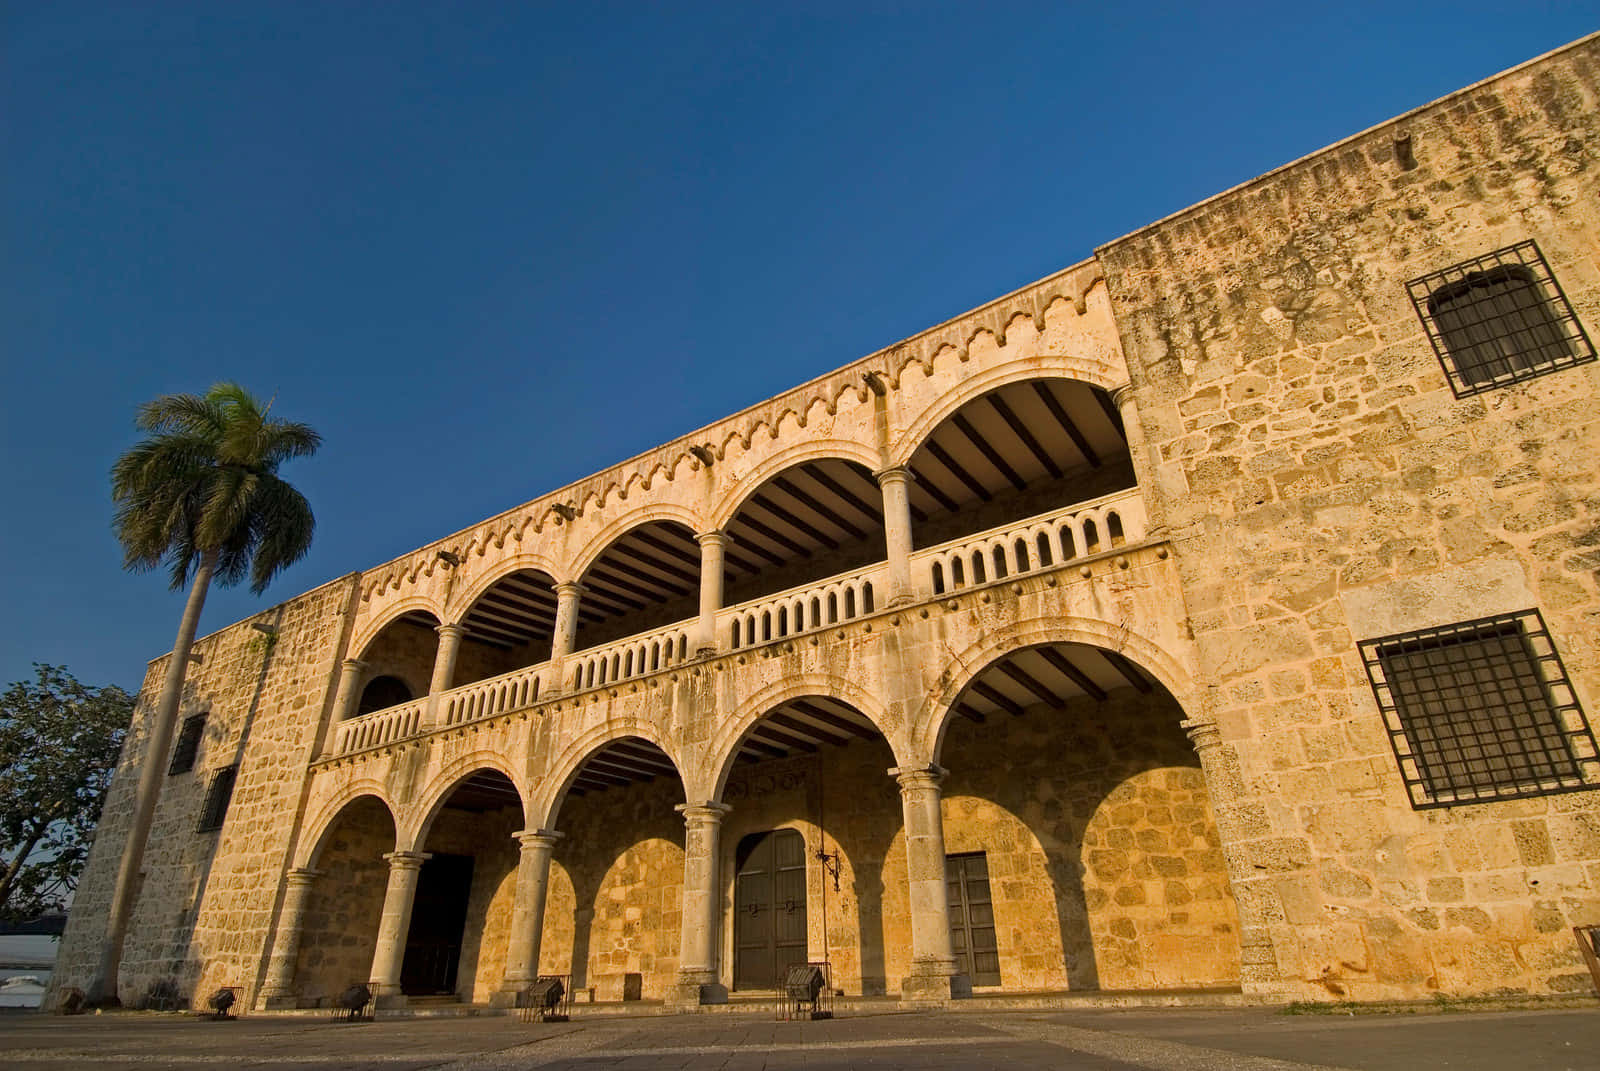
x: 1252, y: 1039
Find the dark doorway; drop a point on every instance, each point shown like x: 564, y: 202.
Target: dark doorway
x: 769, y: 908
x: 438, y: 921
x: 972, y: 917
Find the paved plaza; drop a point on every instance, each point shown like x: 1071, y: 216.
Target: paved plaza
x: 1253, y: 1039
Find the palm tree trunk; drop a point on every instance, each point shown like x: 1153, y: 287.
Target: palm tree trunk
x: 103, y: 990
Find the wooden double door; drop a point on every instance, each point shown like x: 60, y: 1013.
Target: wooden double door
x: 769, y: 908
x: 972, y: 935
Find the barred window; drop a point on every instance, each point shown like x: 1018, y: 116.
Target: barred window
x: 188, y: 745
x: 1499, y: 319
x: 218, y: 796
x: 1481, y: 710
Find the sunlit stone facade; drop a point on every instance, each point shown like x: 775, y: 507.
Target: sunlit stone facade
x: 1129, y: 633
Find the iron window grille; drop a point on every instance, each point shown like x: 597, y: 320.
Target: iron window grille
x: 188, y: 746
x: 1499, y: 319
x: 218, y: 795
x: 1481, y: 710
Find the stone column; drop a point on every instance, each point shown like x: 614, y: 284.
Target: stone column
x: 527, y: 913
x: 933, y: 978
x: 277, y: 989
x: 711, y: 552
x: 896, y: 486
x: 393, y: 926
x: 1258, y: 962
x: 349, y: 689
x: 444, y: 667
x: 1144, y: 464
x: 566, y: 633
x: 701, y: 926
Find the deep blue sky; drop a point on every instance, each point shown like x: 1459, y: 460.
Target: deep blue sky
x: 487, y: 250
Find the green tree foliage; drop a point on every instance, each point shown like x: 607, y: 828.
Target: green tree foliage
x: 59, y: 740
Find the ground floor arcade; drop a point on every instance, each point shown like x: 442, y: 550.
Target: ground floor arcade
x: 1063, y: 839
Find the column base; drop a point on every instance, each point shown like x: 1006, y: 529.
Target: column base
x: 393, y: 1000
x: 695, y: 989
x: 933, y: 987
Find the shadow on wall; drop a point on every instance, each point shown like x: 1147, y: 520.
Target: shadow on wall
x: 1104, y: 861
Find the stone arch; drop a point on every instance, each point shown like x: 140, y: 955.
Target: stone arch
x: 390, y: 614
x: 930, y: 722
x: 656, y: 511
x: 798, y: 454
x: 419, y: 818
x: 1094, y: 373
x: 463, y: 600
x: 328, y: 815
x: 724, y: 747
x: 563, y: 769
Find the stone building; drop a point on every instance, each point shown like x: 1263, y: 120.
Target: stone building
x: 1220, y: 612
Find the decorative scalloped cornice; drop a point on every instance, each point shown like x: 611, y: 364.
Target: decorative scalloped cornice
x: 666, y: 462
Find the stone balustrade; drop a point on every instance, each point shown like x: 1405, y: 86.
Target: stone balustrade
x: 494, y: 695
x: 634, y: 656
x: 1077, y: 531
x: 380, y: 727
x: 803, y: 608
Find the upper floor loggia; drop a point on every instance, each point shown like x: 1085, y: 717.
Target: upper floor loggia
x: 1028, y: 475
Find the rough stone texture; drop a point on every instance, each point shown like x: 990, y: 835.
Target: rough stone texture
x: 1298, y: 477
x: 1323, y: 486
x: 340, y: 930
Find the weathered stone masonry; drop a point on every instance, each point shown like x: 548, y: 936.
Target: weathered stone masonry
x: 1023, y: 655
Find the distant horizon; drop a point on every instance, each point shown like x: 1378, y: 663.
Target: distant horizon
x: 361, y: 212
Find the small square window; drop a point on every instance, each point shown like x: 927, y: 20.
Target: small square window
x: 183, y: 755
x: 1481, y: 710
x: 218, y: 796
x: 1499, y: 319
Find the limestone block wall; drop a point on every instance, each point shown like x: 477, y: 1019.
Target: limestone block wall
x: 489, y: 838
x: 207, y: 901
x: 1323, y: 485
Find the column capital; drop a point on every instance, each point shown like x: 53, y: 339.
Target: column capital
x: 302, y: 875
x: 1121, y: 395
x: 1204, y: 735
x: 537, y: 838
x: 406, y: 860
x: 707, y: 813
x: 569, y: 588
x: 353, y: 665
x: 894, y: 474
x: 452, y: 631
x: 913, y: 777
x: 714, y: 538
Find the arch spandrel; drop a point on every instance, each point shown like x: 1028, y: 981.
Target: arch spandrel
x: 933, y: 717
x: 417, y: 818
x: 388, y: 615
x: 327, y: 816
x: 732, y: 498
x: 723, y: 749
x: 614, y: 530
x: 1099, y: 374
x: 550, y: 789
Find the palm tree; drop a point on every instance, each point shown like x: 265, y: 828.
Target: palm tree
x: 201, y: 495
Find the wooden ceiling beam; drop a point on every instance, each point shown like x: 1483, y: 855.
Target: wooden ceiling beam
x: 1066, y: 423
x: 789, y: 722
x: 1020, y: 430
x: 850, y: 498
x: 1064, y: 666
x: 777, y: 537
x: 765, y: 503
x: 1022, y: 677
x: 998, y: 698
x: 827, y: 513
x: 941, y: 455
x: 944, y: 500
x: 1129, y: 671
x: 867, y: 732
x: 986, y: 448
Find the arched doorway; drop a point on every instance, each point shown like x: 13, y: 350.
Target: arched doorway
x: 1072, y: 780
x: 809, y: 866
x: 339, y: 930
x: 460, y: 921
x: 611, y: 920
